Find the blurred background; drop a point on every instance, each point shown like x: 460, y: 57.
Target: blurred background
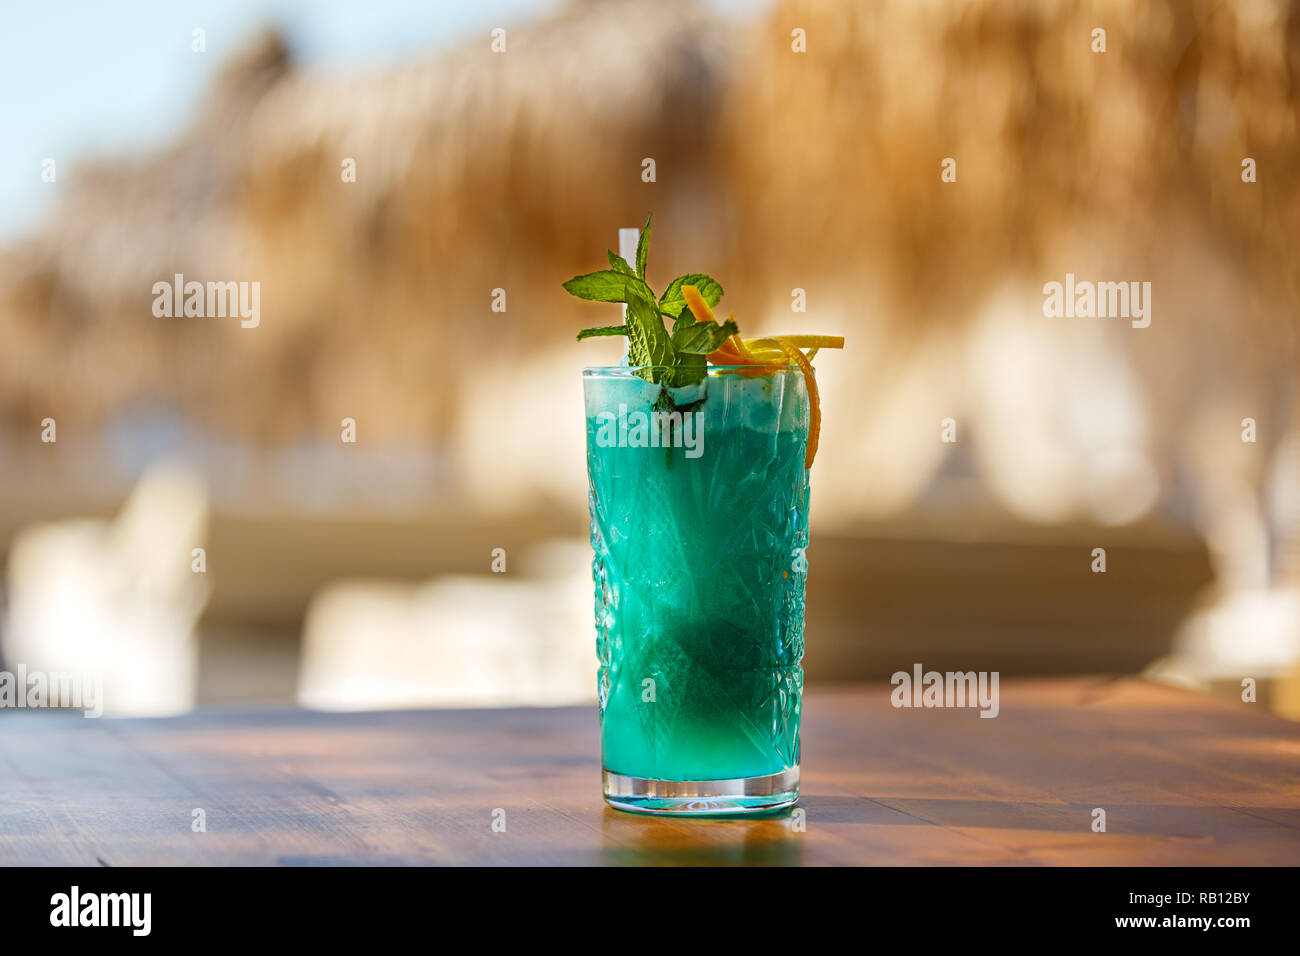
x: 180, y: 510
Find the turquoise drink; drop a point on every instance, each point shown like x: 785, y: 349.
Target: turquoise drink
x: 699, y: 525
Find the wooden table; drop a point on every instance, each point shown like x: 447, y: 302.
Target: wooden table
x: 1183, y: 778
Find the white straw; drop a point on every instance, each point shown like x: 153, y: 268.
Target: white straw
x: 627, y: 243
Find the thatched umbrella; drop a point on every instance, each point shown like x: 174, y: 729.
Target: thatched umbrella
x: 475, y: 170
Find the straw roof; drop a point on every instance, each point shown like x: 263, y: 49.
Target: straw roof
x: 478, y: 171
x: 475, y: 171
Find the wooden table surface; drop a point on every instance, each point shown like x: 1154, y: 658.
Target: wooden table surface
x: 1183, y: 778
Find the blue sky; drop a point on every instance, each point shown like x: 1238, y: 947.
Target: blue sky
x: 118, y: 77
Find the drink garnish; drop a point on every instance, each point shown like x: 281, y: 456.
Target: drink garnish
x: 682, y: 356
x: 677, y: 358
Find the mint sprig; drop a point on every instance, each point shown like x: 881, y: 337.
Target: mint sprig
x: 643, y: 247
x: 604, y: 286
x: 701, y: 338
x: 673, y: 303
x: 648, y: 341
x: 677, y: 359
x: 603, y: 330
x: 618, y: 263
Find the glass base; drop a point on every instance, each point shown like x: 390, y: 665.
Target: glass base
x: 738, y: 795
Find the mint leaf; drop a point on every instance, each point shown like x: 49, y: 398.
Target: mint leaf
x: 672, y: 302
x: 605, y: 286
x: 702, y: 337
x: 690, y: 370
x: 648, y: 341
x: 643, y: 247
x: 693, y: 344
x: 602, y: 330
x: 618, y: 263
x: 672, y: 360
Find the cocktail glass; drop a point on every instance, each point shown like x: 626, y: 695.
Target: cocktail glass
x: 699, y: 526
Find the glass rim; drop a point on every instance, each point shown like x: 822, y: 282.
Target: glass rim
x: 625, y: 369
